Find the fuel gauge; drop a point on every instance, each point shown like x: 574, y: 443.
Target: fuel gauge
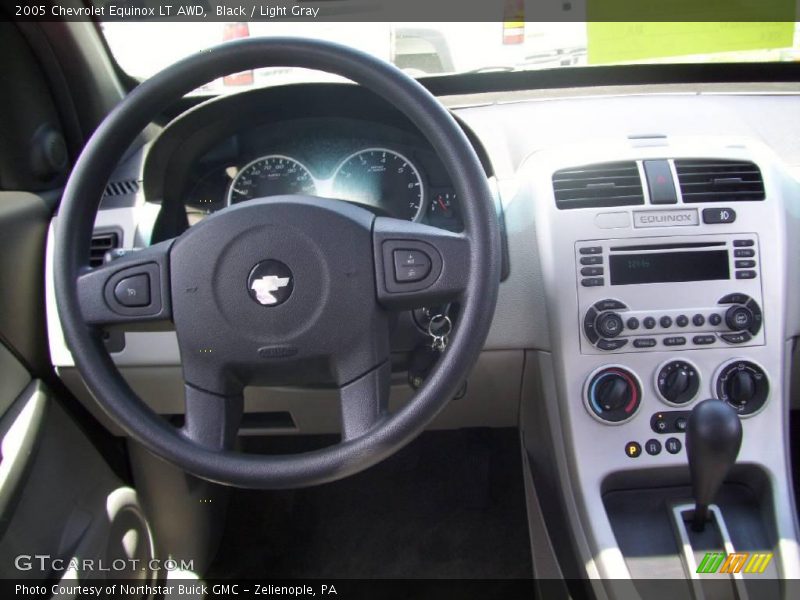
x: 443, y: 205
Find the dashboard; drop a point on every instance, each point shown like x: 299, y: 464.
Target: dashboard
x: 651, y: 260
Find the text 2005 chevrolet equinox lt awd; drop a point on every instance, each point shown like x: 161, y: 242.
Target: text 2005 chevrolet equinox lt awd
x: 381, y: 305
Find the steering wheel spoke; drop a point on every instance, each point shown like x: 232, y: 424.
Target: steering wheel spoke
x: 365, y: 401
x: 418, y: 265
x: 212, y: 420
x: 129, y: 290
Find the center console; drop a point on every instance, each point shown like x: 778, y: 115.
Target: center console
x: 666, y: 266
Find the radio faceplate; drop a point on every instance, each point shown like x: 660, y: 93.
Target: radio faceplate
x: 669, y: 293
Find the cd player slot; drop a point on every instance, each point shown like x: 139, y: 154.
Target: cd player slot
x: 667, y: 246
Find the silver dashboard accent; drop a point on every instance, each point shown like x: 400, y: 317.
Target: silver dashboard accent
x: 665, y: 218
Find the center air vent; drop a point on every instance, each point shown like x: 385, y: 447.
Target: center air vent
x: 121, y: 187
x: 102, y: 243
x: 599, y: 185
x: 714, y: 180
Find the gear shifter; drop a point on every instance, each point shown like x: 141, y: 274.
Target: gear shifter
x: 713, y: 438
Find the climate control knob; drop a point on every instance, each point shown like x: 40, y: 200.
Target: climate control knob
x: 609, y: 324
x: 677, y: 382
x: 743, y: 385
x: 613, y: 394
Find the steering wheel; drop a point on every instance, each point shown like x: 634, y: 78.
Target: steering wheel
x: 279, y: 290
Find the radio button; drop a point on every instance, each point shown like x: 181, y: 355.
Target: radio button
x: 591, y: 260
x: 649, y: 322
x: 665, y: 322
x: 742, y: 243
x: 703, y: 340
x: 644, y: 343
x: 632, y: 323
x: 588, y: 326
x: 714, y: 319
x: 736, y: 338
x: 698, y: 320
x: 609, y: 304
x: 745, y: 264
x: 609, y: 325
x: 734, y: 299
x: 757, y: 317
x: 611, y: 344
x: 592, y: 282
x: 745, y: 274
x: 676, y: 340
x: 744, y: 253
x: 682, y: 321
x: 591, y: 250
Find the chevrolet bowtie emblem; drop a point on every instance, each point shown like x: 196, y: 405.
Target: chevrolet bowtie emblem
x: 270, y: 283
x: 266, y: 285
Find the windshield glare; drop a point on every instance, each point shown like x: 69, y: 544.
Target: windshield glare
x: 423, y: 49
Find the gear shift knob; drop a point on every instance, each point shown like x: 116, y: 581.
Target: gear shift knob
x: 713, y: 439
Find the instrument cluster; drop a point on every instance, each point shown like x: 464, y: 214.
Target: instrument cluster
x: 400, y: 179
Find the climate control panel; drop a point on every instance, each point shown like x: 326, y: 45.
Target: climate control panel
x: 613, y: 394
x: 610, y: 325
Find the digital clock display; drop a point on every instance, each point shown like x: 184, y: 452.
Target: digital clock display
x: 669, y: 267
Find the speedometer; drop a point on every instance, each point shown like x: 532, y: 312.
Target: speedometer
x: 271, y: 175
x: 383, y: 179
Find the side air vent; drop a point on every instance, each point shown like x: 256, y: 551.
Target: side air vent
x: 102, y: 243
x: 594, y: 186
x: 122, y: 187
x: 713, y: 180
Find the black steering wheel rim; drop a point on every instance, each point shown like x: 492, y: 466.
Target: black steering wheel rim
x: 81, y: 200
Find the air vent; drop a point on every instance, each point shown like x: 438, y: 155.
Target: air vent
x: 712, y: 180
x: 593, y: 186
x: 122, y: 187
x: 102, y: 243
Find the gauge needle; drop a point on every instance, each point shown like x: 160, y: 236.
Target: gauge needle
x: 441, y: 203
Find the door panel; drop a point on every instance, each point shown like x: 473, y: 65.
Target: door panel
x: 59, y: 499
x: 24, y: 219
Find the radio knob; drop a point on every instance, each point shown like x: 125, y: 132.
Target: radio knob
x: 739, y: 318
x: 609, y: 324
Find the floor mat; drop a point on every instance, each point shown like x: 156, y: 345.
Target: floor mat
x: 450, y: 505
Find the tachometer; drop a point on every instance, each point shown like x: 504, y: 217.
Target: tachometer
x: 271, y: 175
x: 383, y: 179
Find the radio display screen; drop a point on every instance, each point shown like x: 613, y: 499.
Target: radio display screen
x: 669, y: 267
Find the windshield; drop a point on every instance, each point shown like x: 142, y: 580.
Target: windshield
x: 420, y: 49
